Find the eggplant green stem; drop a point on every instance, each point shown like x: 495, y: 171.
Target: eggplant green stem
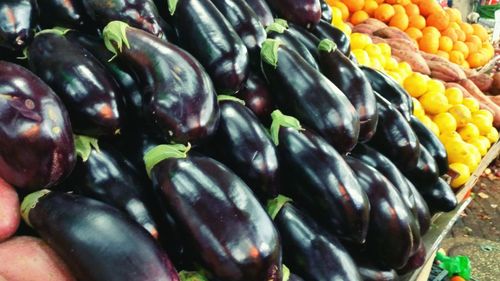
x: 282, y: 120
x: 172, y: 6
x: 281, y: 22
x: 327, y: 45
x: 61, y: 31
x: 269, y: 51
x: 229, y: 98
x: 286, y: 273
x: 25, y: 54
x: 162, y: 152
x: 30, y: 202
x: 274, y: 205
x: 84, y: 146
x: 275, y: 27
x: 192, y: 276
x: 115, y: 36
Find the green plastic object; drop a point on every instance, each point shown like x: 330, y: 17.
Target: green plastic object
x: 459, y: 265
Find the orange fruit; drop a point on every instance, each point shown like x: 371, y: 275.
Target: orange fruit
x: 465, y: 64
x: 428, y: 7
x: 472, y: 47
x: 414, y: 33
x: 429, y: 43
x: 451, y: 33
x: 359, y: 17
x: 399, y: 20
x: 461, y: 47
x: 439, y: 20
x: 477, y: 59
x: 412, y: 10
x: 461, y: 36
x: 370, y: 6
x: 343, y: 8
x: 380, y: 1
x: 431, y: 30
x: 480, y: 31
x: 457, y: 57
x: 384, y: 12
x: 445, y: 43
x: 474, y: 39
x: 455, y: 15
x: 466, y: 27
x: 354, y: 5
x: 399, y: 2
x: 416, y: 21
x: 443, y: 54
x: 398, y: 9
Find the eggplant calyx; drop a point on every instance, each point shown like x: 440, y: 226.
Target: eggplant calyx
x: 229, y: 98
x: 115, y: 35
x: 84, y: 146
x: 192, y: 276
x: 281, y: 22
x: 162, y: 152
x: 275, y: 27
x: 30, y: 202
x: 286, y: 273
x: 274, y: 205
x: 172, y: 6
x: 282, y: 120
x: 327, y: 45
x: 269, y: 51
x: 25, y: 54
x: 61, y: 31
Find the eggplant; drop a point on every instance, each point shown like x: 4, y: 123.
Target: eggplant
x: 324, y: 30
x: 368, y: 270
x: 227, y: 228
x: 416, y: 260
x: 245, y: 22
x: 18, y: 19
x: 67, y: 13
x: 350, y: 79
x: 243, y: 144
x: 394, y: 136
x: 310, y: 251
x: 218, y: 47
x: 422, y: 211
x: 306, y: 38
x: 257, y: 96
x: 304, y: 92
x: 141, y: 14
x: 326, y: 11
x: 279, y: 30
x: 305, y: 13
x: 390, y: 90
x: 432, y: 143
x: 426, y: 171
x: 323, y: 182
x: 390, y: 237
x: 96, y: 240
x: 178, y: 95
x: 37, y: 148
x: 439, y: 196
x: 83, y: 83
x: 262, y: 10
x: 294, y: 277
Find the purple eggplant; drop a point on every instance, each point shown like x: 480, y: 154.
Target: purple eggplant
x: 305, y: 37
x: 223, y: 221
x: 89, y: 92
x: 439, y: 196
x: 178, y: 95
x: 18, y: 19
x: 279, y: 30
x: 213, y: 41
x: 350, y: 79
x: 37, y: 149
x: 323, y: 182
x: 294, y: 277
x: 432, y: 143
x: 68, y: 13
x: 390, y: 236
x: 326, y: 11
x: 367, y: 268
x: 416, y: 260
x: 257, y: 96
x: 426, y: 171
x: 304, y: 92
x: 95, y: 240
x: 324, y: 30
x: 141, y: 14
x: 262, y: 10
x: 305, y: 13
x: 245, y: 22
x: 394, y: 136
x: 309, y: 250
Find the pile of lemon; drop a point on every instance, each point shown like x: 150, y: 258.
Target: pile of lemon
x: 466, y: 131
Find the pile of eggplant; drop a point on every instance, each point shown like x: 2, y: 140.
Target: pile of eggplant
x: 228, y: 140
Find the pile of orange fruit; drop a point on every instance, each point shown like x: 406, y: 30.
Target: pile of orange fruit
x: 436, y: 30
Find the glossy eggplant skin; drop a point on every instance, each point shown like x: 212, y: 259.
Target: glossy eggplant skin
x: 323, y: 183
x: 432, y: 143
x: 257, y: 96
x: 426, y: 171
x: 94, y: 239
x: 208, y: 200
x: 36, y: 140
x: 89, y: 92
x: 17, y: 22
x: 294, y: 277
x: 218, y: 47
x: 306, y: 38
x: 374, y: 274
x: 394, y: 136
x: 324, y: 30
x: 243, y: 144
x: 262, y: 10
x: 390, y: 237
x: 141, y: 14
x: 68, y: 13
x: 310, y: 251
x: 439, y: 196
x: 245, y: 22
x: 416, y: 260
x: 326, y: 11
x: 349, y: 78
x: 302, y: 91
x: 305, y: 13
x: 390, y: 90
x: 178, y: 96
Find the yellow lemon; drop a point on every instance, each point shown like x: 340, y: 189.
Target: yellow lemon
x: 434, y: 102
x: 461, y: 113
x: 416, y: 84
x: 454, y: 95
x: 457, y: 151
x: 480, y: 145
x: 449, y: 137
x: 463, y: 174
x: 492, y: 135
x: 446, y: 122
x: 482, y: 122
x: 391, y: 64
x: 373, y: 50
x: 360, y: 41
x: 471, y: 104
x: 375, y: 63
x: 395, y: 75
x: 435, y: 86
x: 474, y: 160
x: 426, y: 120
x: 469, y: 132
x: 418, y: 110
x: 385, y: 48
x: 361, y: 56
x: 434, y: 128
x: 404, y: 67
x: 486, y: 113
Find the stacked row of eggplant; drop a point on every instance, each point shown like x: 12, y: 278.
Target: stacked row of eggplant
x: 211, y: 136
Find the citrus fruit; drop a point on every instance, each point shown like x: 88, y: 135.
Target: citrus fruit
x: 385, y: 49
x: 448, y: 137
x: 480, y: 31
x: 418, y: 110
x: 468, y: 132
x: 384, y: 12
x: 400, y: 21
x: 343, y: 8
x: 482, y: 122
x: 451, y: 33
x: 435, y: 85
x: 439, y: 20
x: 477, y: 59
x: 431, y: 30
x: 361, y: 56
x: 466, y: 27
x: 486, y: 113
x: 405, y: 68
x: 492, y: 135
x: 454, y: 14
x: 398, y: 9
x: 391, y: 64
x: 462, y: 48
x: 457, y: 57
x: 479, y: 145
x: 454, y: 95
x: 443, y: 54
x: 460, y: 35
x: 416, y: 21
x: 445, y: 43
x: 463, y: 174
x: 473, y: 47
x: 354, y: 5
x: 445, y: 122
x: 416, y: 84
x: 434, y: 102
x: 370, y: 6
x: 412, y: 10
x: 359, y: 17
x: 457, y: 151
x: 360, y: 41
x: 373, y: 50
x: 344, y: 27
x: 414, y: 33
x: 461, y: 114
x: 428, y: 7
x: 429, y: 43
x: 471, y: 103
